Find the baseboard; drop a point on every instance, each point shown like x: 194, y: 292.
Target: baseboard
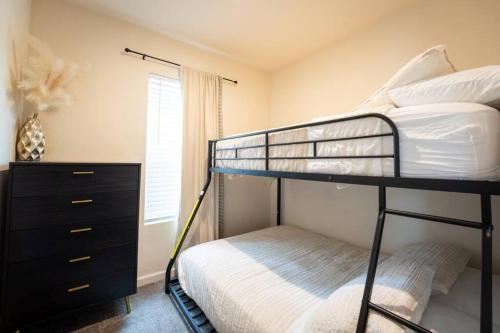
x: 150, y: 278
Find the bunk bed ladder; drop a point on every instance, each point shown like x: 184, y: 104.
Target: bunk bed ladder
x: 486, y: 268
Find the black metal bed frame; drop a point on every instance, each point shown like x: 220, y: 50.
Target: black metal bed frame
x: 194, y: 315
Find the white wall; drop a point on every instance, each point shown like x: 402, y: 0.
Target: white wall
x: 341, y: 76
x: 108, y: 121
x: 14, y: 25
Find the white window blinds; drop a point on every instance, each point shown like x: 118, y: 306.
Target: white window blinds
x: 163, y: 150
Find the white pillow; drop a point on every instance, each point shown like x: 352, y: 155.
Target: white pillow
x: 479, y: 85
x: 446, y: 260
x: 429, y: 64
x: 403, y: 289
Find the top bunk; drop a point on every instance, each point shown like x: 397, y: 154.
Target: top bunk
x: 451, y: 147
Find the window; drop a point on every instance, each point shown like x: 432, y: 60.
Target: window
x: 163, y: 150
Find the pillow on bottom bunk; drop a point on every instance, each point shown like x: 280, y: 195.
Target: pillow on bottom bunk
x: 402, y: 288
x: 446, y: 260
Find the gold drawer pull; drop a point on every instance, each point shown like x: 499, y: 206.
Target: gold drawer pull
x: 77, y: 202
x: 79, y: 259
x: 83, y: 173
x: 74, y: 231
x: 83, y: 286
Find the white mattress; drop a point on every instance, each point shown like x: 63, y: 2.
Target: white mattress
x: 448, y: 141
x: 271, y: 280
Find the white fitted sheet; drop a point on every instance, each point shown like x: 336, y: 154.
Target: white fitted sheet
x: 459, y: 310
x: 447, y: 141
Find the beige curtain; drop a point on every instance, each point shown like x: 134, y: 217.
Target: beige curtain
x: 201, y: 93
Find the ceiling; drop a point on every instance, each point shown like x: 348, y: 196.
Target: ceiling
x: 266, y: 34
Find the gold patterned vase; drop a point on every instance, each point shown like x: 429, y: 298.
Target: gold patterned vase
x: 30, y: 140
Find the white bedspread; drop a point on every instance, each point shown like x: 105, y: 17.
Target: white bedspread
x: 291, y: 270
x: 447, y: 141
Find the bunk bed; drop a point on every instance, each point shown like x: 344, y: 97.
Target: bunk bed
x: 374, y: 149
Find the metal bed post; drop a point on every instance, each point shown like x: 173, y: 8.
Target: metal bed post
x: 190, y: 220
x: 486, y: 264
x: 278, y: 202
x: 267, y: 150
x: 372, y: 268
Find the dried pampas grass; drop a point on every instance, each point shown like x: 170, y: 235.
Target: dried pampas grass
x: 47, y: 78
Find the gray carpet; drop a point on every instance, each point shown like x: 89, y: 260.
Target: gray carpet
x: 152, y: 311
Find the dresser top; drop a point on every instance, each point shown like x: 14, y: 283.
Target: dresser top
x: 26, y: 163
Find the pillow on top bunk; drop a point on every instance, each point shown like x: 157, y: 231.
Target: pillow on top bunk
x: 433, y: 62
x: 479, y: 85
x: 446, y: 260
x: 402, y: 288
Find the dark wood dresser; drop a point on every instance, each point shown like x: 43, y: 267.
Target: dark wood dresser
x: 70, y: 238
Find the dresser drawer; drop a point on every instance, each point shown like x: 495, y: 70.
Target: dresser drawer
x: 58, y: 210
x: 68, y: 296
x: 43, y: 179
x: 68, y: 269
x: 72, y: 241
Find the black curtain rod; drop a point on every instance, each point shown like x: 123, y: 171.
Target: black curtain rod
x: 144, y: 56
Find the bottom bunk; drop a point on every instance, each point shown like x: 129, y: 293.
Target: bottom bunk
x: 286, y: 279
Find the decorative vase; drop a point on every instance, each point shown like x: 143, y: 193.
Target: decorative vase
x: 30, y: 140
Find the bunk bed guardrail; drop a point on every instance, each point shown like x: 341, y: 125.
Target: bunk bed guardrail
x: 484, y: 188
x: 394, y: 133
